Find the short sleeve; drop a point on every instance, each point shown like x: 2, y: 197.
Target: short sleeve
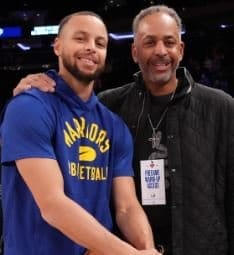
x: 123, y: 150
x: 26, y: 129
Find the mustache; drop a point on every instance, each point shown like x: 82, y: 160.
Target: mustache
x: 157, y: 60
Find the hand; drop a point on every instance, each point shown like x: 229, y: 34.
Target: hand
x: 149, y: 252
x: 39, y: 80
x: 139, y: 252
x: 88, y: 252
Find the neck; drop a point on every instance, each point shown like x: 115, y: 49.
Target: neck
x: 162, y: 89
x: 83, y: 90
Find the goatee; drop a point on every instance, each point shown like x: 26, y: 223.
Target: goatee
x: 81, y: 76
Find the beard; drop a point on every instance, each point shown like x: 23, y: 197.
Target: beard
x: 158, y: 78
x: 82, y: 76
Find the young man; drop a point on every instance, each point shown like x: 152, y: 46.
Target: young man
x: 185, y: 132
x: 63, y: 155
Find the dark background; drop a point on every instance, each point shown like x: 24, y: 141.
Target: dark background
x: 209, y: 48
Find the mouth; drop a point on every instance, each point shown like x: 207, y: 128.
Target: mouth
x: 161, y: 66
x: 88, y: 60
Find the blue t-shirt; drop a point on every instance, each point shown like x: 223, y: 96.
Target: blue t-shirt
x: 92, y: 146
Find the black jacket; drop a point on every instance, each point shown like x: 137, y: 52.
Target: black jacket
x: 200, y: 141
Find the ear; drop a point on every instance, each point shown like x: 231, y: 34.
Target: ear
x: 57, y: 46
x: 134, y: 53
x: 182, y: 45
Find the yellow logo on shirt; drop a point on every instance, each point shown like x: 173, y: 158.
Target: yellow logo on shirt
x: 80, y: 129
x: 77, y: 129
x: 87, y: 153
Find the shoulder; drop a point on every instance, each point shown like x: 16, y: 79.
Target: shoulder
x: 31, y: 96
x: 121, y: 90
x: 27, y: 106
x: 212, y: 95
x: 113, y: 98
x: 25, y: 101
x: 212, y: 101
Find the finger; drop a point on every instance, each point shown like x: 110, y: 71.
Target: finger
x: 40, y: 81
x: 21, y: 88
x: 45, y: 78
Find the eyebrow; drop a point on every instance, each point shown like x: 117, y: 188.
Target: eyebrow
x: 87, y: 33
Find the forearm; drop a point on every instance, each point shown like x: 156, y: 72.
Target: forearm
x: 134, y: 225
x: 81, y: 227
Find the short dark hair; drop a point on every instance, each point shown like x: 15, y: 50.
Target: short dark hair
x: 64, y: 21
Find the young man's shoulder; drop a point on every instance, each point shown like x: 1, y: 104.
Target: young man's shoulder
x: 27, y: 105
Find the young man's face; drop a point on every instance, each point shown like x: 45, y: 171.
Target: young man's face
x: 82, y: 47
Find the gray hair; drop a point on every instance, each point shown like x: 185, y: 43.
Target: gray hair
x: 156, y: 9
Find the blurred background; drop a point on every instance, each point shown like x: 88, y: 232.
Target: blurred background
x: 27, y: 30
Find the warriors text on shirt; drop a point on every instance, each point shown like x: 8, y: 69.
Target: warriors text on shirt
x: 91, y: 131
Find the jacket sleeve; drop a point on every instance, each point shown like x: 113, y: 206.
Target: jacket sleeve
x: 230, y: 181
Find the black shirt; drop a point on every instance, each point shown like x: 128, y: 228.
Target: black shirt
x: 159, y: 215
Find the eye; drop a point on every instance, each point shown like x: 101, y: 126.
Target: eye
x: 148, y: 43
x: 101, y: 44
x: 80, y: 38
x: 170, y: 43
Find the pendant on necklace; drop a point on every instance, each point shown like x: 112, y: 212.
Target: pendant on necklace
x: 155, y: 139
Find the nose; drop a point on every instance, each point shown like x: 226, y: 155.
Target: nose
x: 160, y: 48
x: 90, y: 45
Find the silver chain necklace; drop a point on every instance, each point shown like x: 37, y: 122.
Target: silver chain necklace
x: 157, y: 135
